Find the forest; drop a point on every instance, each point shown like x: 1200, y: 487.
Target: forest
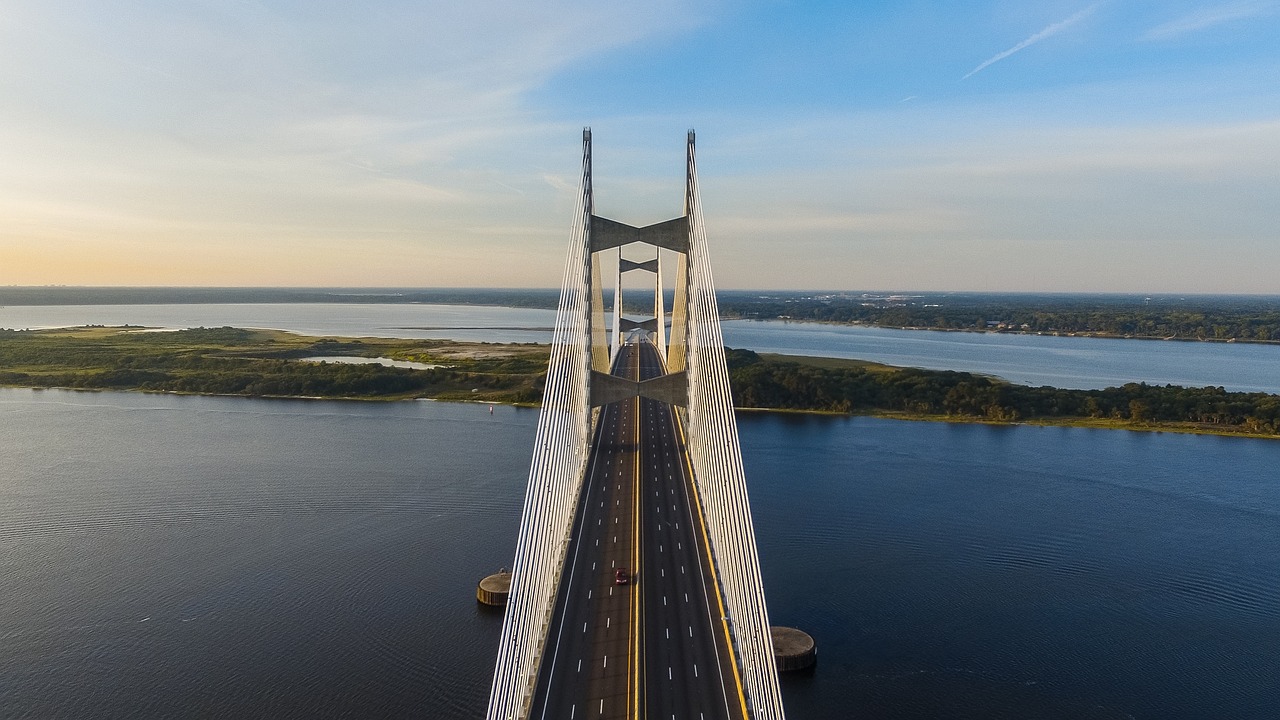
x: 866, y: 388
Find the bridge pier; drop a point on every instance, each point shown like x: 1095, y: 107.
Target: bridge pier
x: 793, y: 649
x: 494, y: 589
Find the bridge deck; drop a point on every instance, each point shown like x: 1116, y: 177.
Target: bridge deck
x: 657, y: 646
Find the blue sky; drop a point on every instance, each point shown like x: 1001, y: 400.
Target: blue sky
x: 1122, y: 146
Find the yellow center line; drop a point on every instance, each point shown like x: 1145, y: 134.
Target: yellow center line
x: 715, y: 579
x: 635, y: 693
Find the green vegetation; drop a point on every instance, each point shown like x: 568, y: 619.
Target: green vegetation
x: 231, y: 361
x: 802, y: 384
x: 265, y: 363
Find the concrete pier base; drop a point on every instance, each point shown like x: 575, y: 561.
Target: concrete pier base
x: 793, y: 649
x: 494, y: 589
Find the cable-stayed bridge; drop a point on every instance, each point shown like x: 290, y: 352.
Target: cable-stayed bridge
x: 636, y: 588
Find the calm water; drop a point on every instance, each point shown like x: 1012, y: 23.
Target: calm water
x: 1066, y: 362
x: 1069, y: 362
x: 194, y: 557
x: 481, y: 323
x: 385, y: 362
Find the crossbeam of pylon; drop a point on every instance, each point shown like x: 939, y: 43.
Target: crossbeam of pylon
x: 671, y: 234
x: 672, y: 389
x: 648, y: 265
x: 650, y: 325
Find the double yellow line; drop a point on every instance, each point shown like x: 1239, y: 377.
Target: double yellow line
x: 634, y: 660
x: 715, y: 579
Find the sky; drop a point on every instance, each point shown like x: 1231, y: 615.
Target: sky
x: 1021, y: 145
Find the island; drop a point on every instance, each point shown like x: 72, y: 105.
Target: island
x: 277, y: 364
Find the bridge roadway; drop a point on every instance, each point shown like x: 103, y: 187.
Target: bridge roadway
x: 656, y: 647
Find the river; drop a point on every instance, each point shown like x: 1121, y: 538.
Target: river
x: 168, y: 556
x: 1067, y: 362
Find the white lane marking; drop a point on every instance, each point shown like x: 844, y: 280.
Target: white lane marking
x: 579, y: 664
x: 573, y: 569
x: 690, y: 631
x: 608, y: 622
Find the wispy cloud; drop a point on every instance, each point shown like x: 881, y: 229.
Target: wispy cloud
x: 1048, y: 32
x: 1212, y: 16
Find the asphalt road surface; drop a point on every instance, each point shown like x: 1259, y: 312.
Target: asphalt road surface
x: 654, y: 646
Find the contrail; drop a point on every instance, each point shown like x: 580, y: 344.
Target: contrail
x: 1050, y: 31
x: 1211, y: 17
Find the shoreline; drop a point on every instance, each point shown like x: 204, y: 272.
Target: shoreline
x: 266, y: 364
x: 1071, y: 422
x: 1066, y: 422
x: 982, y: 331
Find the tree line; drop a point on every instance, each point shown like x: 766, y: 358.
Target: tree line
x: 761, y: 383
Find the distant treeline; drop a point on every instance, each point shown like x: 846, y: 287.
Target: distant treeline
x: 760, y: 383
x: 1196, y: 318
x: 1206, y: 317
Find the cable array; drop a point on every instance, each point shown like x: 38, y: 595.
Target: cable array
x: 712, y: 434
x: 555, y: 476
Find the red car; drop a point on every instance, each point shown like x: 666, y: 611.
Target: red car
x: 621, y: 576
